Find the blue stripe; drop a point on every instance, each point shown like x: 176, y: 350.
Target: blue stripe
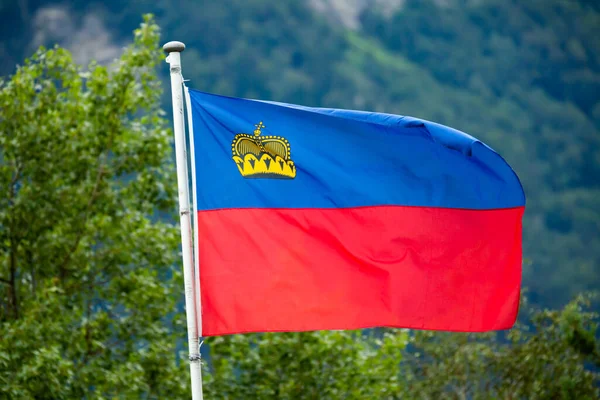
x: 346, y: 159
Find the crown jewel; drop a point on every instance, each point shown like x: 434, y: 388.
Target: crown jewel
x: 259, y: 156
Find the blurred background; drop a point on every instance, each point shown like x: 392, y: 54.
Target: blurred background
x: 522, y: 76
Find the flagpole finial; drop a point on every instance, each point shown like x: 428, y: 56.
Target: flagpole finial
x: 174, y: 47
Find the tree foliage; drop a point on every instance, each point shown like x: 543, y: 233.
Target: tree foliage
x: 545, y: 356
x: 548, y: 358
x: 87, y: 283
x: 308, y: 365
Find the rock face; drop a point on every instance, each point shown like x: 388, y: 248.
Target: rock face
x: 347, y: 12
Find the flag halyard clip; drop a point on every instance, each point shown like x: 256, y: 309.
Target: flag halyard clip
x: 196, y: 356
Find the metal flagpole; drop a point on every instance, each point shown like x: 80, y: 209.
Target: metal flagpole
x: 174, y: 59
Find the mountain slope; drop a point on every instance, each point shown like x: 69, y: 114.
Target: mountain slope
x: 521, y: 77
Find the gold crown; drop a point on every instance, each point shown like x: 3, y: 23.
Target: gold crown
x: 259, y: 156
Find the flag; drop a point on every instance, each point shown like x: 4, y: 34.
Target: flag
x: 322, y: 219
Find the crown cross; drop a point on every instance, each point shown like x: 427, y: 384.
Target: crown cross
x: 258, y: 129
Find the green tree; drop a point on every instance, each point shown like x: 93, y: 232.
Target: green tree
x: 548, y: 358
x: 306, y: 365
x: 88, y: 279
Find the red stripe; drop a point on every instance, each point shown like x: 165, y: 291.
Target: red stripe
x: 320, y: 269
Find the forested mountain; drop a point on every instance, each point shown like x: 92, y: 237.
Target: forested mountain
x: 523, y: 77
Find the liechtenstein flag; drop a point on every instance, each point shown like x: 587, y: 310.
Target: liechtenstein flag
x: 321, y: 219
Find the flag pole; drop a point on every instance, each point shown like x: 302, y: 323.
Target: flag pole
x: 174, y: 59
